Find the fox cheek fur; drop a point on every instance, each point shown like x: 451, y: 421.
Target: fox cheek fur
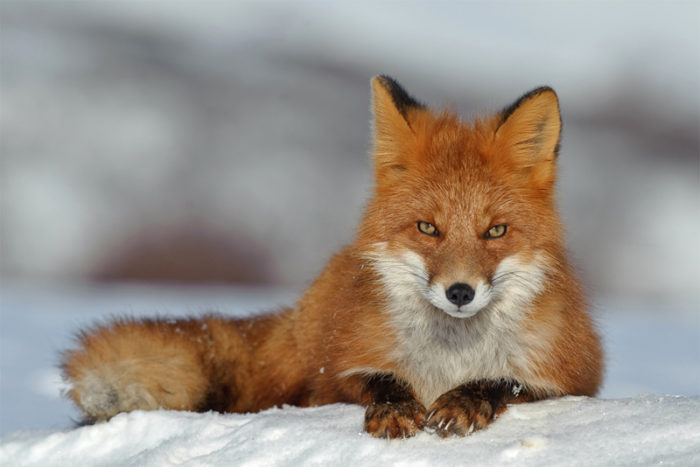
x: 454, y: 300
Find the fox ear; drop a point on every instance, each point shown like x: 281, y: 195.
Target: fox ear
x: 529, y: 133
x: 393, y: 110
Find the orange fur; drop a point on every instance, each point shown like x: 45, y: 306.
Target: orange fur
x: 352, y: 323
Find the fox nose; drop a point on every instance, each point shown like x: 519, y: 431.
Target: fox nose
x: 460, y: 294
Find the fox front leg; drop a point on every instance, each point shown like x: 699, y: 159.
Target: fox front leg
x: 394, y: 411
x: 471, y: 406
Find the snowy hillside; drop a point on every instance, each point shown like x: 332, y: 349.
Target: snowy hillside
x: 641, y: 431
x: 225, y: 129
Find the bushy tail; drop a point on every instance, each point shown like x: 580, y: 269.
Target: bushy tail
x: 152, y: 364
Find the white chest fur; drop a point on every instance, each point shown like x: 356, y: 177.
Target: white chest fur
x: 437, y: 352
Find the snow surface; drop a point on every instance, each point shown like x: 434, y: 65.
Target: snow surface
x: 653, y: 350
x: 573, y: 430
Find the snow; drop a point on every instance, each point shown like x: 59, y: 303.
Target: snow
x: 573, y: 430
x: 650, y: 350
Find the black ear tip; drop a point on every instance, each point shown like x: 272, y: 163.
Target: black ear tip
x: 540, y: 90
x: 386, y: 80
x: 389, y: 83
x: 402, y: 99
x: 505, y: 113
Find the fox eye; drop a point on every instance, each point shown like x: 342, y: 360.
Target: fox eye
x: 497, y: 231
x: 428, y: 228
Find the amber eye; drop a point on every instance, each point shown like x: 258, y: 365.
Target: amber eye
x: 428, y: 228
x: 497, y: 231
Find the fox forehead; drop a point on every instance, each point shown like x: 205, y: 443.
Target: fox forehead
x: 448, y: 144
x: 455, y: 171
x: 462, y: 200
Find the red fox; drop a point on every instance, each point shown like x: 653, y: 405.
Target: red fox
x: 454, y: 300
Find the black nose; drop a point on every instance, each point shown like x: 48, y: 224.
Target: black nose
x: 460, y: 294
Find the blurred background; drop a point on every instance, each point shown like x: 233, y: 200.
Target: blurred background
x: 216, y: 142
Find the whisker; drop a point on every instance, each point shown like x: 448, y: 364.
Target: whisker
x: 402, y: 267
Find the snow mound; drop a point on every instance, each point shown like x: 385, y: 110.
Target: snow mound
x: 573, y: 430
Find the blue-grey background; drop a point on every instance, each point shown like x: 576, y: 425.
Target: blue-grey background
x: 218, y: 142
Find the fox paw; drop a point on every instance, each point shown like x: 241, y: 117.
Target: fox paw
x: 466, y: 409
x: 394, y: 420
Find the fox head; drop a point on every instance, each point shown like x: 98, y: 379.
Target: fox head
x: 463, y: 216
